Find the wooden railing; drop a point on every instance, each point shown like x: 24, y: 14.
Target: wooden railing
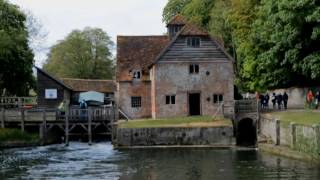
x: 17, y: 102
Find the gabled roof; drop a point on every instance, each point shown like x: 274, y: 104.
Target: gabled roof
x: 189, y: 29
x: 84, y: 85
x: 52, y: 78
x: 178, y: 20
x: 137, y: 53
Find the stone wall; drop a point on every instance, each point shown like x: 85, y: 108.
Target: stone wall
x: 173, y: 78
x: 220, y: 136
x: 299, y: 137
x: 135, y: 88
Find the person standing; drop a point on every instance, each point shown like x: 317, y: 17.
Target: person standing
x: 285, y: 100
x: 317, y: 99
x: 310, y: 98
x: 274, y: 100
x: 266, y: 99
x: 279, y: 101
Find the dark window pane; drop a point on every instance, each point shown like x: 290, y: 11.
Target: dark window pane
x: 196, y: 68
x: 215, y: 98
x: 220, y: 98
x: 191, y: 69
x: 173, y: 99
x: 167, y: 99
x: 135, y: 102
x: 138, y: 75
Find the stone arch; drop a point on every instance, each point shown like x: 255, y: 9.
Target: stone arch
x: 246, y: 132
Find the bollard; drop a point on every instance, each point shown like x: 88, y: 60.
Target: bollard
x: 277, y: 132
x: 293, y: 135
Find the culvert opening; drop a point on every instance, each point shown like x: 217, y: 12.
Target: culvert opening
x: 246, y: 133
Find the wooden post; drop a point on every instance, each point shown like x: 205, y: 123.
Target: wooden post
x: 293, y: 135
x: 22, y: 119
x: 41, y: 135
x: 3, y: 117
x: 316, y: 128
x: 89, y: 126
x: 44, y: 124
x: 66, y: 117
x: 277, y: 132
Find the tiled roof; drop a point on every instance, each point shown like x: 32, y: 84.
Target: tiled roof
x: 137, y: 53
x: 178, y: 20
x: 192, y: 29
x: 84, y: 85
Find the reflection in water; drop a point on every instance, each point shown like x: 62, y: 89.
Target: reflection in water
x: 101, y: 161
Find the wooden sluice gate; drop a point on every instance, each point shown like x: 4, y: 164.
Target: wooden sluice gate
x: 87, y: 120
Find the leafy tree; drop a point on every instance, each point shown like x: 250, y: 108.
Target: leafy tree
x: 172, y: 8
x: 198, y: 11
x: 82, y: 54
x: 16, y: 58
x: 284, y: 46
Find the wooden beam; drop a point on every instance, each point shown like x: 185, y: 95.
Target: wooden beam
x: 89, y: 125
x: 67, y: 126
x: 3, y: 117
x: 22, y: 119
x: 44, y: 116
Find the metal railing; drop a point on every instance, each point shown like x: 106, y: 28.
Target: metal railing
x: 246, y: 106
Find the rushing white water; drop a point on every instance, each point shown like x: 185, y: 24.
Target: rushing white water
x: 101, y: 161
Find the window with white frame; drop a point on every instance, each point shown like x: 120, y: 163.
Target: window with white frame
x: 217, y: 98
x: 194, y: 68
x: 171, y: 99
x: 136, y: 75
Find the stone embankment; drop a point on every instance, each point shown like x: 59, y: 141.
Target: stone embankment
x: 303, y: 139
x: 172, y: 136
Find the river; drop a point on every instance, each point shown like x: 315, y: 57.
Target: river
x: 101, y: 161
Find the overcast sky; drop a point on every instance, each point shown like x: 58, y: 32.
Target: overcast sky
x: 116, y: 17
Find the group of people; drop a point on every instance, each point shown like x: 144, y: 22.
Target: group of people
x: 276, y: 99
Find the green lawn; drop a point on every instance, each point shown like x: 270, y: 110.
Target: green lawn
x: 307, y: 117
x: 15, y: 135
x: 191, y: 121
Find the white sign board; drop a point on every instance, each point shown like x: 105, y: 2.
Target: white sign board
x: 51, y: 94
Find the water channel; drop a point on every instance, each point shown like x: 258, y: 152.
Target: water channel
x: 102, y: 161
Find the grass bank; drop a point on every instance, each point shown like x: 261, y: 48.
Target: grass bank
x: 305, y: 117
x: 191, y: 121
x: 16, y: 136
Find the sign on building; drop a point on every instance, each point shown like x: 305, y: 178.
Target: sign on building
x: 51, y: 94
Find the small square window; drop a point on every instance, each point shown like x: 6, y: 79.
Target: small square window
x: 137, y: 75
x: 193, y: 42
x: 136, y: 101
x: 217, y: 98
x: 194, y: 69
x: 171, y: 99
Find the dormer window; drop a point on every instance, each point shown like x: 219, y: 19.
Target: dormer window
x: 136, y: 74
x: 193, y: 42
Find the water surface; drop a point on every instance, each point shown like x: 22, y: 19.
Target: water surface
x: 101, y: 161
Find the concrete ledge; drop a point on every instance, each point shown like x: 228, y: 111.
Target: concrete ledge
x: 287, y: 152
x: 175, y: 136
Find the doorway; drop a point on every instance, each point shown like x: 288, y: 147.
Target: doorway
x: 194, y: 104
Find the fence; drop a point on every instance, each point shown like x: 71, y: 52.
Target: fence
x: 246, y: 106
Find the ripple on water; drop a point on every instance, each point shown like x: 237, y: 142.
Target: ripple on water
x: 101, y: 161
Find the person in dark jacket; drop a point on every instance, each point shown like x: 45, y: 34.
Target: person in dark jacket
x: 266, y: 100
x: 279, y: 100
x: 274, y: 100
x: 285, y: 100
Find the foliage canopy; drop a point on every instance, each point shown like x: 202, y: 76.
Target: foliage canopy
x: 82, y: 54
